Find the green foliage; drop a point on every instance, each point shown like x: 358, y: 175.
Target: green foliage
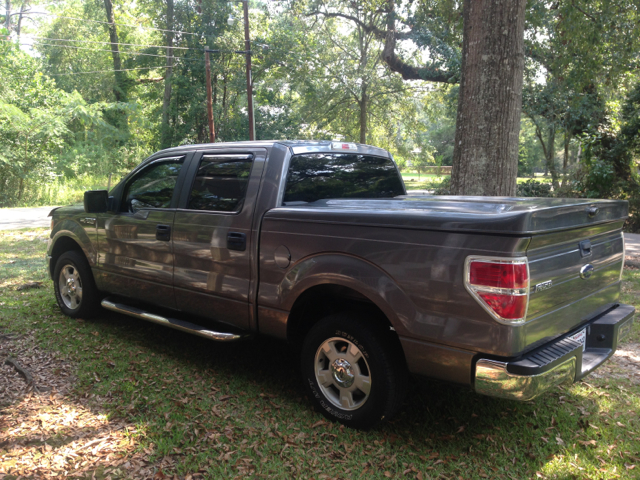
x: 315, y: 75
x: 585, y: 50
x: 609, y: 168
x: 533, y: 188
x: 47, y: 133
x: 444, y: 188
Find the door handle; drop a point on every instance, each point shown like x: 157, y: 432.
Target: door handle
x: 237, y: 241
x: 163, y: 233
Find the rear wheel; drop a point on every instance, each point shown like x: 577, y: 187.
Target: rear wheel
x: 354, y: 370
x: 75, y: 289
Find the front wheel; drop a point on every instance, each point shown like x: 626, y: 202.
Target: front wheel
x: 74, y: 287
x: 353, y: 370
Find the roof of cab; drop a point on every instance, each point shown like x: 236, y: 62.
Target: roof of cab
x: 296, y: 146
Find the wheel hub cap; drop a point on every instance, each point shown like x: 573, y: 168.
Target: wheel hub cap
x: 71, y: 285
x: 342, y: 372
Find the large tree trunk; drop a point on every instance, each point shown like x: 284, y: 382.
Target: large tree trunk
x: 166, y: 137
x: 485, y: 157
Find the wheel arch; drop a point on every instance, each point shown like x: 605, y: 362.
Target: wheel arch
x: 67, y: 240
x: 326, y: 284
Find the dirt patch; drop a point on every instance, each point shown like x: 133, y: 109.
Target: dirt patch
x: 625, y: 364
x: 632, y: 262
x: 47, y: 433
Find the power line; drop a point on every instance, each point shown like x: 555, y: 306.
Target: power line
x: 109, y: 43
x: 109, y: 23
x: 103, y: 50
x: 120, y: 51
x: 107, y: 71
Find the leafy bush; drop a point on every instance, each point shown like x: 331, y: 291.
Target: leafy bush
x: 444, y: 188
x: 533, y: 188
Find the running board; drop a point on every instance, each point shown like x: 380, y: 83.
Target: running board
x: 172, y: 322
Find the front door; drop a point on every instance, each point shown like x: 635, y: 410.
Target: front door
x: 136, y: 254
x: 212, y: 237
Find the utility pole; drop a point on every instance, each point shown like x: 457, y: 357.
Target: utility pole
x: 247, y: 47
x: 207, y: 62
x: 247, y: 53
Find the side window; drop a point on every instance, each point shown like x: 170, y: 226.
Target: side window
x: 153, y: 187
x: 221, y: 183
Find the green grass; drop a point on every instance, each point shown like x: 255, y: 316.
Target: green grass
x: 64, y: 191
x: 422, y: 182
x: 413, y: 181
x: 240, y: 409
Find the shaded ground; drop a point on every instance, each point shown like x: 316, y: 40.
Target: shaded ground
x: 46, y: 432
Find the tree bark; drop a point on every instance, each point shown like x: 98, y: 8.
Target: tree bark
x: 7, y: 17
x: 120, y: 90
x: 166, y: 137
x: 549, y: 150
x: 20, y: 16
x: 565, y: 160
x: 485, y: 157
x: 363, y: 113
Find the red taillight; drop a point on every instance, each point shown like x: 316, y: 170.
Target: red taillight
x: 499, y: 275
x: 501, y: 286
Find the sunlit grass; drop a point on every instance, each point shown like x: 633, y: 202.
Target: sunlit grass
x: 62, y: 191
x: 413, y: 181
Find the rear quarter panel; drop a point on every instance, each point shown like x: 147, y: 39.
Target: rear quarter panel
x: 414, y: 276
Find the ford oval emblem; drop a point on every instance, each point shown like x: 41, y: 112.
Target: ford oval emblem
x: 586, y: 271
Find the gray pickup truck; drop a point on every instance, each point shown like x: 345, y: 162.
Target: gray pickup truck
x: 317, y: 243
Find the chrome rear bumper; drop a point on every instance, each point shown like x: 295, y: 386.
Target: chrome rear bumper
x: 561, y: 361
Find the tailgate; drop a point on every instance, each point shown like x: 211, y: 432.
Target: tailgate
x: 574, y: 275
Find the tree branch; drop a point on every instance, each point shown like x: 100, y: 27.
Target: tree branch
x: 380, y: 34
x: 589, y: 16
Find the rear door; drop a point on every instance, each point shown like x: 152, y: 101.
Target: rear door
x: 212, y: 238
x: 136, y: 254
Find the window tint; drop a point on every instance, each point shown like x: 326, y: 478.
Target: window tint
x: 334, y: 175
x: 153, y: 187
x: 221, y: 183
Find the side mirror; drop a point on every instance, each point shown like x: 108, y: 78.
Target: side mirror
x: 95, y: 201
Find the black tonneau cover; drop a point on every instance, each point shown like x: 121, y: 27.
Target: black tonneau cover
x: 501, y: 215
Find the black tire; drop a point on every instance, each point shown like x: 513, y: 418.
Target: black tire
x: 370, y: 352
x: 78, y: 296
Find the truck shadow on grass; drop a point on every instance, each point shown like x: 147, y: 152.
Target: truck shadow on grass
x: 245, y: 400
x: 185, y: 405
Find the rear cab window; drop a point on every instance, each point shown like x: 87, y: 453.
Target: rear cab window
x: 318, y: 176
x: 221, y: 183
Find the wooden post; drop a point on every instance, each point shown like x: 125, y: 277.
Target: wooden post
x: 247, y: 47
x: 212, y: 132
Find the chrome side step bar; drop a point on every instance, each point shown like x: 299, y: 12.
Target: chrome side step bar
x: 172, y: 322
